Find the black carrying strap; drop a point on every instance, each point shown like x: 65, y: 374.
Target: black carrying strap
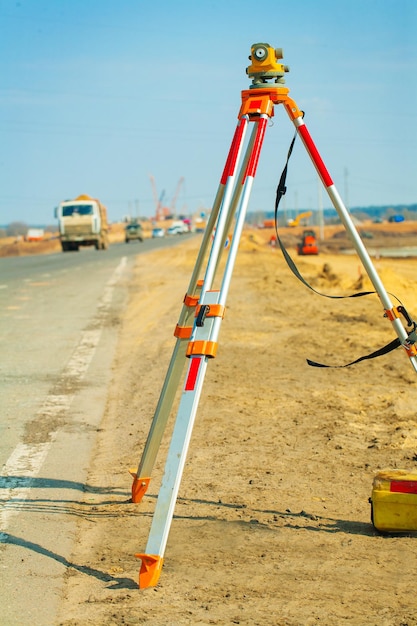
x: 281, y: 190
x: 384, y: 350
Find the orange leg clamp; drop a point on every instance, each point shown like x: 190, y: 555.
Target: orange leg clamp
x: 183, y: 332
x: 150, y: 570
x: 410, y: 349
x: 202, y: 348
x: 190, y: 301
x: 392, y: 314
x: 139, y: 487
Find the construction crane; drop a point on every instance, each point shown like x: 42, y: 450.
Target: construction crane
x: 159, y: 210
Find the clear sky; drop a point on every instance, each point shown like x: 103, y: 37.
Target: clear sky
x: 96, y: 96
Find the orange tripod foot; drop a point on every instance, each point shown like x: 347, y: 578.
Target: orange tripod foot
x: 150, y: 570
x: 139, y: 487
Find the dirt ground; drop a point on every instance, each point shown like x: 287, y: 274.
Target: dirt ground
x: 272, y: 524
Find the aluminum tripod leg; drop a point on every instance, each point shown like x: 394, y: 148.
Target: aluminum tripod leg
x: 202, y: 347
x: 142, y: 476
x: 360, y: 248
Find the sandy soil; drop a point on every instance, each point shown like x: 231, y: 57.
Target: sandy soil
x: 272, y: 524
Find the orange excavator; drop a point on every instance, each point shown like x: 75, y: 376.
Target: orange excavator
x: 308, y: 244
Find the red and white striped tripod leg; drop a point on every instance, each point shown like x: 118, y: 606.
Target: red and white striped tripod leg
x: 228, y: 179
x: 350, y: 227
x: 142, y: 476
x: 202, y: 347
x: 247, y: 180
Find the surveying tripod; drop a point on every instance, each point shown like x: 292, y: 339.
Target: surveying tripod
x: 203, y: 308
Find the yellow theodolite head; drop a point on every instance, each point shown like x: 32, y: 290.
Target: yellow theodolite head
x: 264, y: 65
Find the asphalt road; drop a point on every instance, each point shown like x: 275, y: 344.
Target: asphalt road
x: 59, y: 316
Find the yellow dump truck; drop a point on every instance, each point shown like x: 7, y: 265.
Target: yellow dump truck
x: 82, y: 222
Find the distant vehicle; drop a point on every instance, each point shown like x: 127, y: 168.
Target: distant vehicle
x: 396, y: 218
x: 308, y: 244
x: 200, y: 225
x: 178, y: 228
x: 158, y: 232
x: 82, y: 222
x: 133, y: 231
x: 297, y: 221
x: 35, y: 234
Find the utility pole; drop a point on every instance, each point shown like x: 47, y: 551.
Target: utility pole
x: 346, y: 174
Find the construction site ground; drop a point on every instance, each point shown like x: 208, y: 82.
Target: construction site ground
x: 272, y: 524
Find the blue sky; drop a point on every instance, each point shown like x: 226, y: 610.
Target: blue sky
x: 96, y: 96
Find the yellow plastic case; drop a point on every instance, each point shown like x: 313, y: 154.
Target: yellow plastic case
x: 394, y: 501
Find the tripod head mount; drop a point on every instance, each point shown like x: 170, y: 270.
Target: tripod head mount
x: 264, y: 65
